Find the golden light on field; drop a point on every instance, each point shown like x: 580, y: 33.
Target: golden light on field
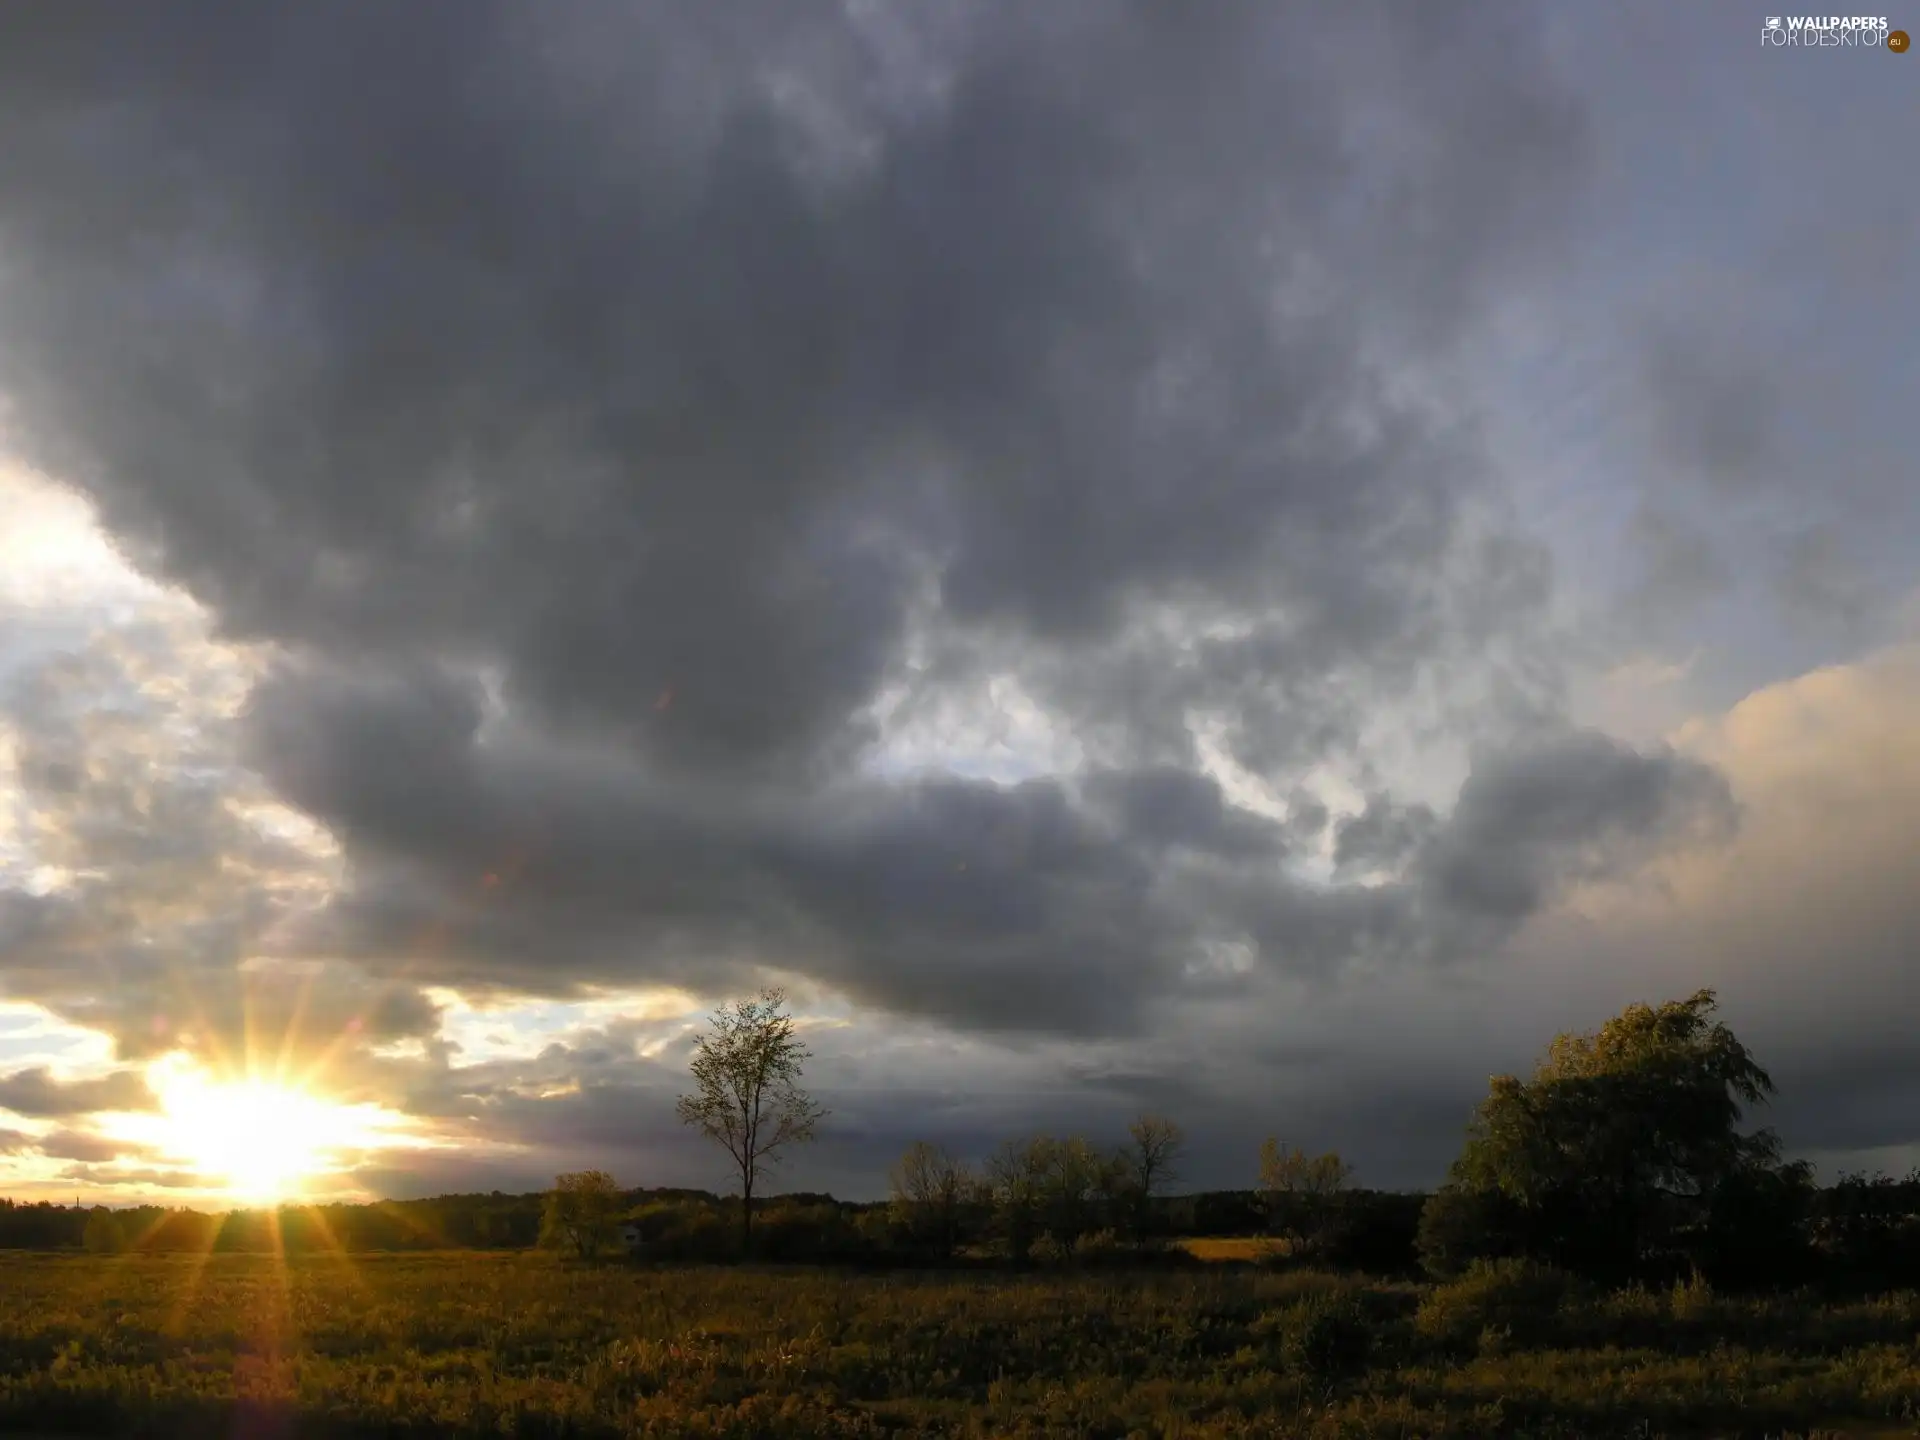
x: 260, y: 1141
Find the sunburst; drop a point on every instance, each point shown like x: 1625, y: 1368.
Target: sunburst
x: 256, y: 1139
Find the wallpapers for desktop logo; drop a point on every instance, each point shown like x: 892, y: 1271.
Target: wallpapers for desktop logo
x: 1827, y: 31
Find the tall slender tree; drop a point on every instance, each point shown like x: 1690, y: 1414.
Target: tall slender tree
x: 1150, y: 1160
x: 747, y: 1095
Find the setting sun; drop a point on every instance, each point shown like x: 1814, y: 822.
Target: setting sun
x: 258, y: 1140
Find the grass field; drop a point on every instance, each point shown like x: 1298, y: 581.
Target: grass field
x: 522, y: 1345
x: 1247, y: 1248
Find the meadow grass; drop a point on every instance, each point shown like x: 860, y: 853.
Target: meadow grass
x: 465, y: 1344
x: 1250, y: 1249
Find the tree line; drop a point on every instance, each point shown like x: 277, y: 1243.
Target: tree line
x: 1622, y: 1157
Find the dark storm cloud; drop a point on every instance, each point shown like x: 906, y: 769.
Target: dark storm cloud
x: 599, y: 409
x: 1006, y: 903
x: 37, y: 1092
x: 529, y: 868
x: 1573, y: 805
x: 1532, y: 817
x: 525, y: 354
x: 1383, y: 834
x: 1167, y: 807
x: 592, y: 1101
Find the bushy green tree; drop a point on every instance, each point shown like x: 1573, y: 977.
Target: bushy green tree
x: 582, y: 1213
x: 1620, y: 1149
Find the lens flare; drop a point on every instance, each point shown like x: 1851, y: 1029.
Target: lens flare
x: 260, y: 1140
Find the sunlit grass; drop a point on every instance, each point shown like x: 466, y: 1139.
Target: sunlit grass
x: 467, y: 1344
x: 1250, y: 1248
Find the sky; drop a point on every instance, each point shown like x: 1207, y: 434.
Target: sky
x: 1250, y: 561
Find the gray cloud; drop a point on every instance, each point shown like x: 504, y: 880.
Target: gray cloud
x: 1006, y: 906
x: 1172, y: 807
x: 1056, y: 347
x: 129, y: 785
x: 1383, y: 834
x: 1716, y: 403
x: 37, y: 1092
x: 620, y: 426
x: 1576, y: 805
x: 109, y: 1177
x: 81, y: 1146
x: 757, y: 369
x: 690, y: 415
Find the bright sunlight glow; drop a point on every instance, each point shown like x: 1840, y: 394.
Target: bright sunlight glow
x: 261, y: 1141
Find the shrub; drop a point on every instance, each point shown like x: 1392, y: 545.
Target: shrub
x: 1459, y: 1226
x: 1632, y: 1318
x: 1522, y: 1296
x: 1691, y: 1300
x: 1050, y: 1250
x: 1101, y: 1247
x: 1329, y: 1341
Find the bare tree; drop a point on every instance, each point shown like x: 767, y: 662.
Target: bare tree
x: 1152, y: 1160
x: 746, y: 1071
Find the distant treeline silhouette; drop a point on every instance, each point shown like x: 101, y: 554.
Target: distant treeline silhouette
x: 1858, y: 1233
x: 1619, y: 1160
x: 671, y: 1223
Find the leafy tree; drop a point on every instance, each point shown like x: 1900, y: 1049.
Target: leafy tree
x: 930, y: 1190
x: 103, y: 1235
x: 1302, y: 1191
x: 746, y: 1071
x: 1150, y: 1163
x: 1075, y: 1179
x: 1621, y: 1148
x: 582, y: 1213
x: 1459, y: 1225
x: 1016, y: 1181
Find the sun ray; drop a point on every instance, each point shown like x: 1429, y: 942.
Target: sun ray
x: 335, y: 1249
x: 198, y: 1259
x: 289, y: 1037
x: 414, y: 1226
x: 254, y: 1139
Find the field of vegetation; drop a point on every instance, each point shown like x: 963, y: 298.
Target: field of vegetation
x: 466, y: 1344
